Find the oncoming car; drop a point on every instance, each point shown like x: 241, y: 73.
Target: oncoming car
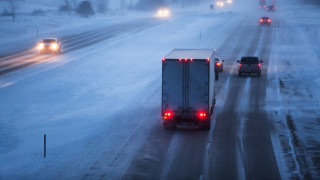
x: 50, y: 45
x: 218, y: 64
x: 265, y: 21
x: 163, y: 13
x: 229, y: 1
x: 220, y: 3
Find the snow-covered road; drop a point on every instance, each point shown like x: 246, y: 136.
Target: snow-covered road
x: 99, y: 102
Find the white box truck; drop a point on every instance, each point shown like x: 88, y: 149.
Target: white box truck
x: 188, y: 94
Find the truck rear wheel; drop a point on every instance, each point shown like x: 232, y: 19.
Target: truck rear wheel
x: 206, y: 126
x: 169, y: 126
x: 259, y: 74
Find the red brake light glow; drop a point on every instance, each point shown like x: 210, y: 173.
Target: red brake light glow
x: 191, y: 59
x: 261, y: 20
x: 180, y: 59
x: 185, y: 59
x: 167, y: 115
x: 163, y: 59
x: 269, y: 20
x: 202, y: 114
x: 259, y: 66
x: 239, y: 66
x: 208, y: 60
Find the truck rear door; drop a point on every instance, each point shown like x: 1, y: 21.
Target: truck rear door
x: 173, y: 85
x: 198, y: 82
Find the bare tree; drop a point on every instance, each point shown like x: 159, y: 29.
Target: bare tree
x: 74, y: 4
x: 102, y: 6
x: 14, y: 4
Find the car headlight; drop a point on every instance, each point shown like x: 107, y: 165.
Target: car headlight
x: 160, y: 12
x: 166, y: 12
x: 54, y: 46
x: 40, y: 46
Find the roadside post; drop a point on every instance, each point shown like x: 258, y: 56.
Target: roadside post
x: 44, y: 145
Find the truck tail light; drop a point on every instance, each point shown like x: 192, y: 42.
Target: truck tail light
x: 185, y: 59
x: 191, y: 59
x: 240, y: 66
x: 259, y: 65
x: 163, y: 59
x: 167, y: 115
x: 261, y: 20
x: 208, y: 60
x: 180, y: 59
x: 269, y: 20
x: 202, y: 114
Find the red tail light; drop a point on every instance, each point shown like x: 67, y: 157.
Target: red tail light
x: 180, y: 59
x: 163, y: 59
x: 191, y: 59
x: 208, y: 60
x: 261, y: 20
x: 167, y: 115
x: 218, y: 64
x: 269, y: 20
x: 185, y: 59
x: 202, y: 114
x: 240, y: 66
x: 259, y: 66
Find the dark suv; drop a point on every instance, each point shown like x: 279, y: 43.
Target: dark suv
x: 271, y: 8
x: 249, y: 65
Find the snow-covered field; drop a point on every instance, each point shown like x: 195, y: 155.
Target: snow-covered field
x: 87, y: 99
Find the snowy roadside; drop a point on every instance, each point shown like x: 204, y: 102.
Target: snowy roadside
x: 293, y: 98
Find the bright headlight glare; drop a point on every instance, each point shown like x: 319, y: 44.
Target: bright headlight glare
x: 54, y: 46
x: 40, y: 46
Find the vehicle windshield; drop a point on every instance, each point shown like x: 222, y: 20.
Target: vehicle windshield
x: 216, y: 59
x: 49, y: 40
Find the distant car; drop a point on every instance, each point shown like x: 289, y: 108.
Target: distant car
x: 50, y: 45
x: 218, y: 64
x: 163, y: 13
x: 265, y: 21
x: 262, y: 4
x: 249, y: 64
x: 220, y: 3
x: 271, y: 8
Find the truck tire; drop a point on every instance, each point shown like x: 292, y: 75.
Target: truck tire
x: 169, y: 126
x: 206, y: 126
